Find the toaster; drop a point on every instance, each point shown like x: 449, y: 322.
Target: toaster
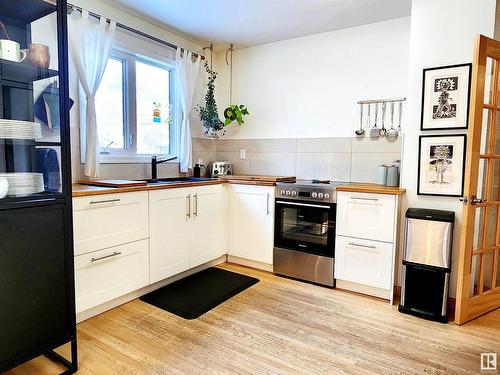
x: 220, y: 168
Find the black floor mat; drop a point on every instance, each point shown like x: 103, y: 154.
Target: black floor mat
x: 196, y: 294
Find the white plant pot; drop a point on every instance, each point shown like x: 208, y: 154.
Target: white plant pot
x: 4, y: 187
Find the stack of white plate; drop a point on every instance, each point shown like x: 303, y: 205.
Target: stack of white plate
x: 16, y: 129
x: 22, y: 184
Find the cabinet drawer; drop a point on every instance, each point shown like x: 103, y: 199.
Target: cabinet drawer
x: 364, y: 262
x: 370, y: 216
x: 106, y: 274
x: 109, y: 220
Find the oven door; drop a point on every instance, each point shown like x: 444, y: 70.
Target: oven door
x: 304, y: 226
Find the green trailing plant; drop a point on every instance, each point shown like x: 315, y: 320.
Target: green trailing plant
x: 212, y: 125
x: 235, y: 113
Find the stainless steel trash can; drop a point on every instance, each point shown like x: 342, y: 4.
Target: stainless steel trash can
x: 427, y: 263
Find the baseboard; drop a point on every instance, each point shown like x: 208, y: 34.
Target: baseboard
x: 87, y: 314
x: 363, y: 289
x: 250, y: 263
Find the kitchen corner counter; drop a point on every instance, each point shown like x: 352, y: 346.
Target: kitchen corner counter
x: 371, y: 188
x: 256, y: 180
x: 80, y: 190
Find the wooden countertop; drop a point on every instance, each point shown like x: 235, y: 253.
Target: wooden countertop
x: 86, y: 190
x: 80, y: 190
x: 371, y: 188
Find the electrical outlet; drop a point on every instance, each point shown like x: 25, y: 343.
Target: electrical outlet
x: 243, y: 154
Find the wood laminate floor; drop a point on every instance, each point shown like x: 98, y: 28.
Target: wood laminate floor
x: 279, y: 326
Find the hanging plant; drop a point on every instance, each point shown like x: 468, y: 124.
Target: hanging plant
x: 235, y: 113
x: 212, y: 125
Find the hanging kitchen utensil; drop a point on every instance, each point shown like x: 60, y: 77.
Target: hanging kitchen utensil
x: 400, y: 114
x: 383, y: 130
x: 375, y: 132
x: 392, y: 134
x: 360, y: 132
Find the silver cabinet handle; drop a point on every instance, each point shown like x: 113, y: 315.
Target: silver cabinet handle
x: 268, y: 208
x: 365, y: 199
x: 106, y: 201
x: 188, y: 206
x: 195, y: 202
x: 360, y: 245
x: 106, y: 256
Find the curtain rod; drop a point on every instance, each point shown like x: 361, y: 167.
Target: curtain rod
x: 135, y: 31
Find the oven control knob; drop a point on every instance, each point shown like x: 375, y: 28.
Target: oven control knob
x: 294, y: 193
x: 288, y: 192
x: 320, y: 195
x: 282, y: 192
x: 326, y: 196
x: 314, y: 194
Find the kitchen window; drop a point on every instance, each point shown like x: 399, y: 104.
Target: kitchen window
x: 134, y: 108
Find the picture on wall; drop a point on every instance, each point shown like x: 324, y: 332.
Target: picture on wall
x: 441, y: 164
x: 445, y: 97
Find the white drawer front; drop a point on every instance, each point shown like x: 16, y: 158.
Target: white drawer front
x: 109, y: 220
x: 362, y: 215
x: 107, y: 274
x: 364, y: 262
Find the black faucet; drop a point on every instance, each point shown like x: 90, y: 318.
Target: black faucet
x: 154, y: 166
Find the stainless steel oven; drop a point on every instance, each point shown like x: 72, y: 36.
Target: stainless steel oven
x: 304, y: 238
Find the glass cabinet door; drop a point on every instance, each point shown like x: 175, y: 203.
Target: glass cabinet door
x: 30, y: 113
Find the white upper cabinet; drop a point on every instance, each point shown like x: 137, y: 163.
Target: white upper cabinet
x: 366, y: 215
x: 170, y: 220
x: 251, y: 222
x: 104, y: 221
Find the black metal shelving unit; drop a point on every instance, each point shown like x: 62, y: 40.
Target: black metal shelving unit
x: 37, y: 292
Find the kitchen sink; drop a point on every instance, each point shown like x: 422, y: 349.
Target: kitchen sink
x: 176, y: 180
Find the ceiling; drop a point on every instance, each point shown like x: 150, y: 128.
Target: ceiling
x: 252, y: 22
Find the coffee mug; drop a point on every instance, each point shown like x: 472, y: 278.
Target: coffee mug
x: 10, y: 50
x: 38, y: 55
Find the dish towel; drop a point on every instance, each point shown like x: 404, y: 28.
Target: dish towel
x: 47, y: 163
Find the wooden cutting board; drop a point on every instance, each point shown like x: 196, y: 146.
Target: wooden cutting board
x: 258, y: 178
x: 114, y: 183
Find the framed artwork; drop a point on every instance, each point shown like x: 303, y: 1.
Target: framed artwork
x: 441, y: 164
x: 445, y: 97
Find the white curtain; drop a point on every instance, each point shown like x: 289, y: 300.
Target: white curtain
x: 90, y: 45
x: 187, y: 73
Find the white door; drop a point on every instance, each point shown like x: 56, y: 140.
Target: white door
x: 169, y: 222
x: 251, y: 222
x: 208, y: 224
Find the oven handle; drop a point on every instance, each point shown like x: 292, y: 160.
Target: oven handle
x: 304, y: 204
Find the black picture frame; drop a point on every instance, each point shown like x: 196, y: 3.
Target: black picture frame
x: 464, y: 137
x: 422, y: 109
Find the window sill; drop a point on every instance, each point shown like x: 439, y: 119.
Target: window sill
x: 131, y: 159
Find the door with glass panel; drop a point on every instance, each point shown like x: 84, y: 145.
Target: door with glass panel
x: 478, y: 282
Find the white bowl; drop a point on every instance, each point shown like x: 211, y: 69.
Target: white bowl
x: 4, y: 187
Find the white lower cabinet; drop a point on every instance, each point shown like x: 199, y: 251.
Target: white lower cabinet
x: 366, y: 242
x: 186, y: 228
x: 106, y: 274
x: 208, y: 225
x: 104, y: 221
x: 251, y: 222
x: 363, y: 261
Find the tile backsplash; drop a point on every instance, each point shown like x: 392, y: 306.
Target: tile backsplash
x: 340, y: 159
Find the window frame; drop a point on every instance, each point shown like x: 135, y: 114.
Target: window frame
x: 128, y: 154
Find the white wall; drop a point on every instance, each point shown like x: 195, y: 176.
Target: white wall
x: 442, y: 33
x: 309, y: 86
